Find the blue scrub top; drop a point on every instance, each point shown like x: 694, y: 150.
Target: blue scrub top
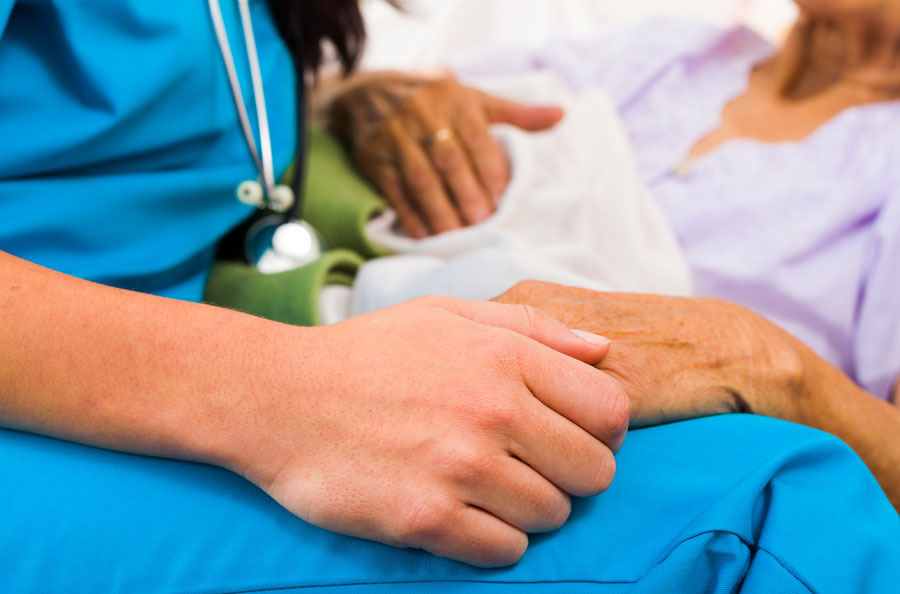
x: 121, y: 147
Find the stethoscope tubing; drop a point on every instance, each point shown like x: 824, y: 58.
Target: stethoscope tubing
x: 262, y: 155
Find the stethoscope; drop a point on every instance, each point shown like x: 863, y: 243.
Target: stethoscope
x: 283, y: 241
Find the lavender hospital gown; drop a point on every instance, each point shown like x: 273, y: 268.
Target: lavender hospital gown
x: 805, y: 233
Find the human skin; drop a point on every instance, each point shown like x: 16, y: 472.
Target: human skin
x: 681, y: 358
x: 388, y: 120
x: 839, y: 54
x: 452, y: 426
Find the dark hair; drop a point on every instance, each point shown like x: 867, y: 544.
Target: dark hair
x: 306, y: 25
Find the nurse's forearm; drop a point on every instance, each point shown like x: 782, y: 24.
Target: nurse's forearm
x: 123, y: 370
x: 394, y: 426
x: 833, y: 403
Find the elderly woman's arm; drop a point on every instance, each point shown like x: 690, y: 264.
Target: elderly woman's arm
x: 680, y: 358
x: 474, y: 438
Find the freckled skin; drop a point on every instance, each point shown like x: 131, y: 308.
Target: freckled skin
x: 840, y: 53
x: 681, y: 358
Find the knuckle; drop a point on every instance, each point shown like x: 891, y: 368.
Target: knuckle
x: 554, y: 511
x: 617, y: 416
x: 506, y: 358
x: 420, y: 102
x: 601, y: 474
x: 510, y: 552
x: 466, y: 464
x: 497, y: 413
x: 424, y: 520
x: 444, y: 85
x: 436, y: 301
x: 535, y: 319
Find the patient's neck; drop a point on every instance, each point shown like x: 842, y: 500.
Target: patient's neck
x: 859, y: 61
x: 823, y: 69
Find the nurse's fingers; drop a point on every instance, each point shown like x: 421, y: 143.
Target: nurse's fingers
x: 532, y: 323
x: 561, y: 451
x: 588, y: 397
x: 468, y: 534
x: 517, y: 494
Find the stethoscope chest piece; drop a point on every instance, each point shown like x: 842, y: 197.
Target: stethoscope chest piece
x: 275, y: 246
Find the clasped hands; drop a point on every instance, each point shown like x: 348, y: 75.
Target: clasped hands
x: 685, y: 357
x: 459, y: 427
x: 470, y: 453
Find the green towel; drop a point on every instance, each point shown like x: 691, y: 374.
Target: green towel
x: 339, y: 203
x: 291, y: 297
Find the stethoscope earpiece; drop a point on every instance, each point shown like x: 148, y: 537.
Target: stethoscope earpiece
x: 281, y: 198
x: 252, y: 193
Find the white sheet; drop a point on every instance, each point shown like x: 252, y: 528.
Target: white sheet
x: 431, y: 31
x: 575, y: 213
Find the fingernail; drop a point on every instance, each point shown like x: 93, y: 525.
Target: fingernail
x: 592, y: 338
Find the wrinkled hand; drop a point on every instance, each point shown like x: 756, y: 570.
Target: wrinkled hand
x: 424, y: 142
x: 453, y: 426
x: 681, y: 358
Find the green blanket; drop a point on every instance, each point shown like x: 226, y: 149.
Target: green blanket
x: 339, y: 202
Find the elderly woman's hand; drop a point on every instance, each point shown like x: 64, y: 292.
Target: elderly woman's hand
x: 424, y: 142
x: 681, y: 358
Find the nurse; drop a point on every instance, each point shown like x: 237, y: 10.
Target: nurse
x: 122, y: 153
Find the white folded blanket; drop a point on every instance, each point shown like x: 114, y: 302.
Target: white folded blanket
x: 575, y: 213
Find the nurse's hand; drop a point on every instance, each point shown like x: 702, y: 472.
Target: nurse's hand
x: 682, y: 358
x: 452, y: 426
x: 424, y: 142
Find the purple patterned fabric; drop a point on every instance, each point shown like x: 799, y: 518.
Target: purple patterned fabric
x: 806, y: 233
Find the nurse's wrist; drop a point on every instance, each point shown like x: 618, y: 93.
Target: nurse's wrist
x: 244, y: 426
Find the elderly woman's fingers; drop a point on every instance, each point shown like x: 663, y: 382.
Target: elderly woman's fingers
x: 483, y: 149
x: 424, y: 185
x: 431, y: 122
x: 387, y: 179
x: 455, y: 167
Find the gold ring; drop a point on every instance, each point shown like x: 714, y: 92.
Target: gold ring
x: 442, y: 135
